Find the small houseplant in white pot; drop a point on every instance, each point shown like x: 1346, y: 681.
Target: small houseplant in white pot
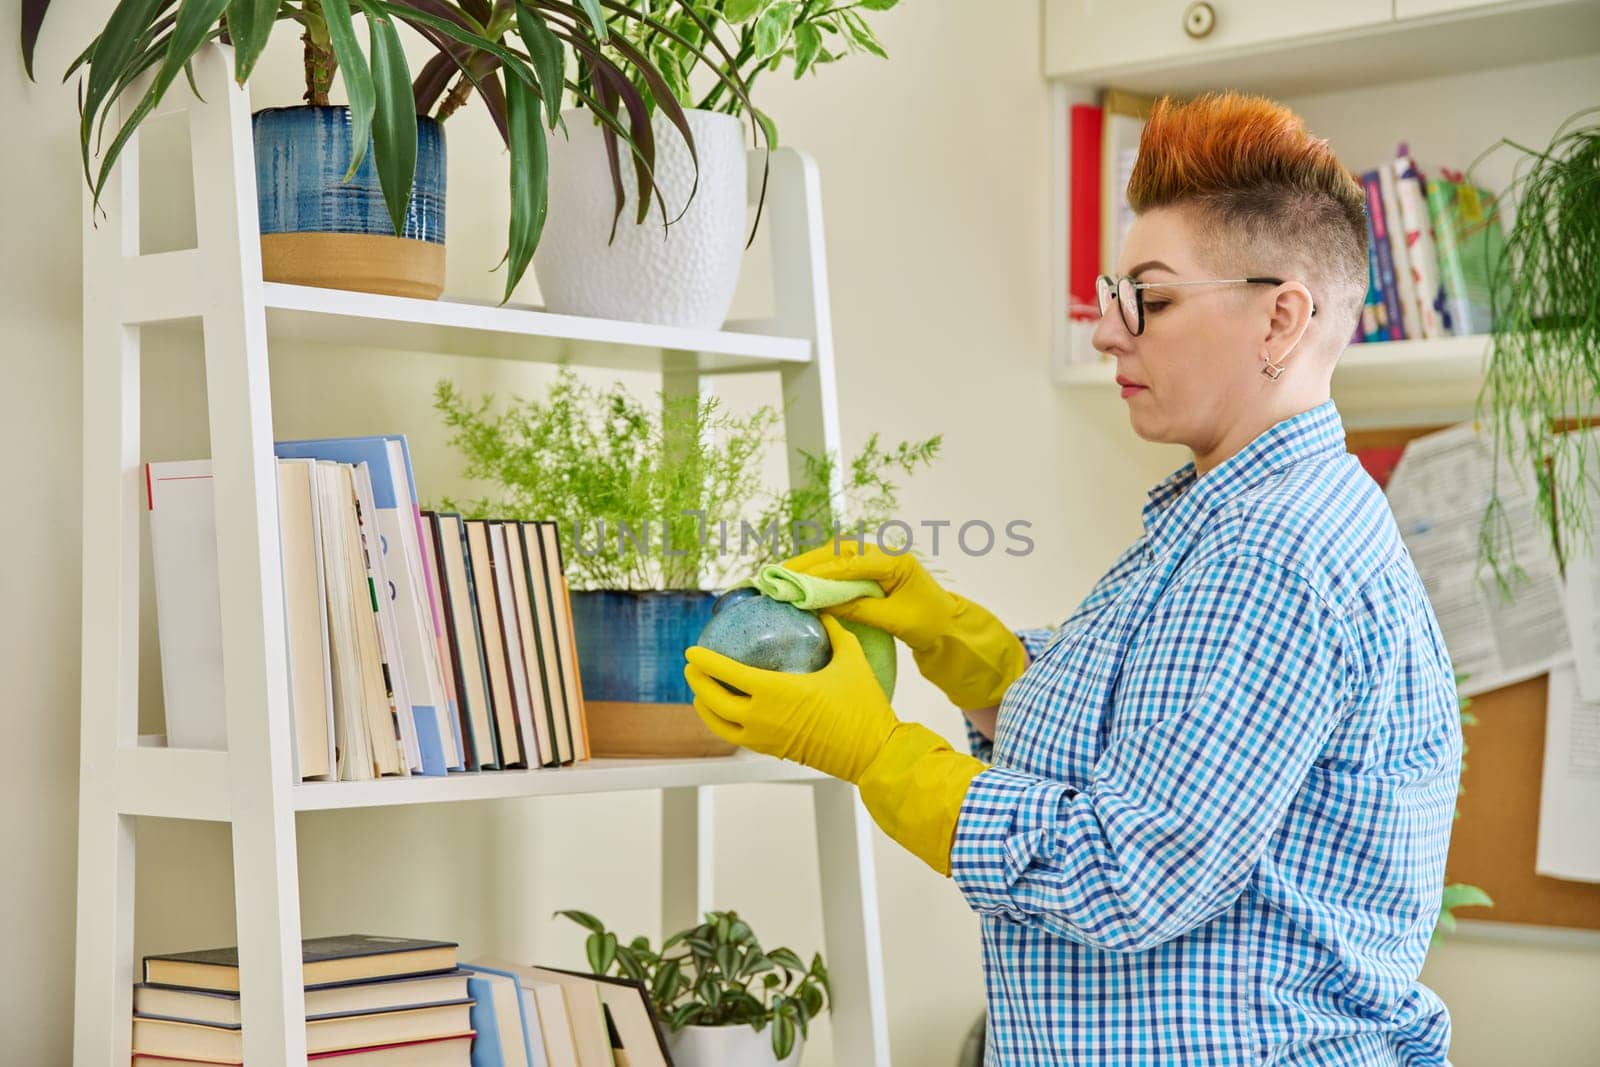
x: 658, y: 507
x: 607, y: 252
x: 725, y: 1001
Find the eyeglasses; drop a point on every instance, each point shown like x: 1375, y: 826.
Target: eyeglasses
x: 1129, y: 295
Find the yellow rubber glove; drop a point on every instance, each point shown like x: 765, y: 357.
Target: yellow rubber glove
x: 838, y: 721
x: 958, y: 645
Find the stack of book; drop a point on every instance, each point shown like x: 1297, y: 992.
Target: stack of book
x: 1433, y: 246
x: 370, y: 1002
x: 418, y: 643
x: 549, y: 1017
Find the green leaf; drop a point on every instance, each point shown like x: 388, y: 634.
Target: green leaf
x: 739, y: 11
x: 773, y: 28
x: 602, y: 949
x: 782, y: 1035
x: 877, y: 5
x: 196, y: 22
x: 250, y: 25
x: 357, y: 76
x: 115, y: 50
x: 786, y: 959
x: 807, y: 43
x: 597, y: 18
x: 1464, y: 896
x: 549, y: 59
x: 394, y: 126
x: 530, y: 181
x: 582, y: 918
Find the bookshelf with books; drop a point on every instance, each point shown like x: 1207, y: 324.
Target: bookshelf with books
x: 1409, y: 94
x: 275, y: 759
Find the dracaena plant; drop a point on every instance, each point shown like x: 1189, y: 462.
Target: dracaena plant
x: 716, y: 974
x: 514, y: 55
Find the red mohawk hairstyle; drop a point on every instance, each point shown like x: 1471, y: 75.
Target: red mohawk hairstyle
x: 1266, y: 196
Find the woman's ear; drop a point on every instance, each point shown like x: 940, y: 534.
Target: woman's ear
x: 1291, y: 318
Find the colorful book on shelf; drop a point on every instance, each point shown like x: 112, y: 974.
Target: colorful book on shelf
x: 325, y: 961
x: 1406, y: 289
x: 552, y: 610
x: 502, y: 1021
x: 374, y: 557
x: 1374, y: 325
x: 571, y: 1009
x: 401, y: 562
x: 1378, y: 234
x: 1466, y: 225
x: 1083, y: 211
x: 1422, y: 257
x: 528, y: 656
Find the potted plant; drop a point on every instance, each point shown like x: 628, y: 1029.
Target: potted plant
x: 682, y: 267
x: 353, y: 196
x: 1544, y: 360
x: 658, y: 508
x: 716, y: 990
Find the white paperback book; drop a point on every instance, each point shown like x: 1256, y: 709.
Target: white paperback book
x: 183, y: 549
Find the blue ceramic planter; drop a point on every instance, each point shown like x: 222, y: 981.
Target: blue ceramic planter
x: 631, y: 644
x: 318, y: 229
x: 302, y: 154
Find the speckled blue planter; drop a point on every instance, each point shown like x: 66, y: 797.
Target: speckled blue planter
x: 630, y: 644
x: 318, y: 229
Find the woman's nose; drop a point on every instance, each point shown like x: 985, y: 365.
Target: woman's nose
x: 1111, y: 333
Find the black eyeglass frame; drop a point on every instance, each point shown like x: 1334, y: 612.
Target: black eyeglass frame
x: 1112, y: 284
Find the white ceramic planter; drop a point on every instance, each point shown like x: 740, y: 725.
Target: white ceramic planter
x: 683, y: 277
x: 728, y: 1046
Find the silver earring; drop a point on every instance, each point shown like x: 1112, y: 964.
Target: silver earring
x: 1270, y: 370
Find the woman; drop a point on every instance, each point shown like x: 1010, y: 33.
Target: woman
x: 1208, y: 823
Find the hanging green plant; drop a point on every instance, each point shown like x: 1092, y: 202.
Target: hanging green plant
x: 1544, y: 360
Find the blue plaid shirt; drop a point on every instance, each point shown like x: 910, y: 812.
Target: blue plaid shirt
x: 1215, y: 824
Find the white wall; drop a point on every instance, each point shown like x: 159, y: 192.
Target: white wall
x: 935, y: 183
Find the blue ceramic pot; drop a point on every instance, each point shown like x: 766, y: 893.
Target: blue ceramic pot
x: 318, y: 229
x: 302, y: 154
x: 631, y: 644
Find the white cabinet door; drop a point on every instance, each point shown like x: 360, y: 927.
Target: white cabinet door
x: 1410, y: 9
x: 1087, y: 35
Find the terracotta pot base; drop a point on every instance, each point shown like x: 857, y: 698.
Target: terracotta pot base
x: 620, y: 729
x: 367, y: 263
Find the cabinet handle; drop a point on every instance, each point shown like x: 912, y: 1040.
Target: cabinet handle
x: 1199, y: 19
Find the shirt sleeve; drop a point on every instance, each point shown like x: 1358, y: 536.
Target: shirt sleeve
x: 1235, y: 683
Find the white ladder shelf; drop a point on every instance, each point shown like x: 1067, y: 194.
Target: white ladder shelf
x: 250, y: 786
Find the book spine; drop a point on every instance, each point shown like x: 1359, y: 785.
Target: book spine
x: 1394, y: 322
x: 1441, y: 198
x: 1083, y: 220
x: 1420, y: 251
x: 1405, y: 289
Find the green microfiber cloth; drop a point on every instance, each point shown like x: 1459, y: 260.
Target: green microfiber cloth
x: 811, y: 593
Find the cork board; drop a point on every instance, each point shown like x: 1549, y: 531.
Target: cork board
x: 1492, y: 844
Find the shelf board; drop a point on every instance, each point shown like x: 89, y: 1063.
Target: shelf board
x: 1389, y: 364
x: 369, y: 320
x: 592, y: 776
x: 1382, y: 53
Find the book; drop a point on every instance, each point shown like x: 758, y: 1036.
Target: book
x: 543, y: 604
x: 1410, y: 315
x: 221, y: 1007
x: 497, y: 1017
x: 415, y: 658
x: 1083, y: 211
x: 451, y: 1050
x: 1466, y: 225
x: 636, y: 1026
x: 466, y: 640
x: 1422, y: 257
x: 183, y: 547
x: 169, y: 1037
x: 438, y: 607
x: 325, y: 961
x: 395, y: 688
x: 1374, y: 325
x: 552, y: 753
x: 1388, y: 285
x: 305, y: 619
x: 566, y: 638
x: 479, y: 556
x: 572, y: 1013
x: 516, y: 669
